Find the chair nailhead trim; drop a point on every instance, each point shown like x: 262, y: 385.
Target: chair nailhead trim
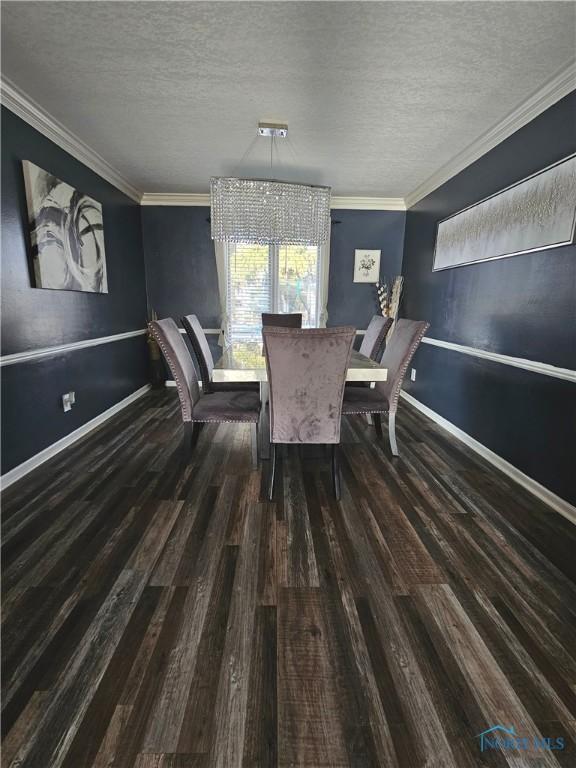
x: 361, y: 413
x: 184, y: 405
x: 396, y: 393
x: 187, y: 415
x: 225, y: 421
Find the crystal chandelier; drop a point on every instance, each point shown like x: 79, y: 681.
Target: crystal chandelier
x: 267, y: 210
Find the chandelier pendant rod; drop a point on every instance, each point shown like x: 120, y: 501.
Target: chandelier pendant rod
x: 260, y: 210
x: 244, y: 156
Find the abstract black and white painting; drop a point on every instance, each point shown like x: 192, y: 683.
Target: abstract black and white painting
x: 534, y: 214
x: 67, y: 234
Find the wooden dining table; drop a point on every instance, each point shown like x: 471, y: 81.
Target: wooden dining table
x: 244, y: 362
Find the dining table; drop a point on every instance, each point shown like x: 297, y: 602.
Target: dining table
x: 243, y: 361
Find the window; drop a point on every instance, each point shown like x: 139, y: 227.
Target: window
x: 262, y: 278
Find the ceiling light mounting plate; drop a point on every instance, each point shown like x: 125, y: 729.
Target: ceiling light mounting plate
x: 279, y: 130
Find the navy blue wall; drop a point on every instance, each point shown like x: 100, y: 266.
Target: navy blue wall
x: 181, y: 270
x: 355, y: 303
x: 523, y: 306
x: 180, y: 266
x: 32, y: 318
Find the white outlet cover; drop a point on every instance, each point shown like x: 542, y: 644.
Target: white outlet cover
x: 413, y: 374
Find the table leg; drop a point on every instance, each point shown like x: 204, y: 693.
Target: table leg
x: 264, y: 425
x: 368, y: 415
x: 254, y: 439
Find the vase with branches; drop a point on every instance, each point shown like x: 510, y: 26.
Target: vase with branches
x: 389, y: 292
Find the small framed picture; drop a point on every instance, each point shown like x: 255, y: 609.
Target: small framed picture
x: 366, y: 266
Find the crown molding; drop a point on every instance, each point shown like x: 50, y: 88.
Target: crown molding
x: 175, y: 198
x: 14, y: 99
x: 369, y: 203
x: 552, y: 91
x: 32, y: 113
x: 353, y: 203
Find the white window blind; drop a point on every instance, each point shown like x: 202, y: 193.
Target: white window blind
x: 298, y: 271
x: 249, y: 289
x: 264, y: 278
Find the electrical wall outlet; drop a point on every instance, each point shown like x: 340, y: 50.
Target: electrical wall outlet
x: 413, y: 374
x: 66, y: 402
x: 72, y: 396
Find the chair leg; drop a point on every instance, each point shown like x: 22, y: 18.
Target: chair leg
x: 264, y: 422
x: 336, y: 471
x: 392, y: 434
x: 272, y: 471
x: 254, y: 431
x: 191, y: 432
x: 377, y: 424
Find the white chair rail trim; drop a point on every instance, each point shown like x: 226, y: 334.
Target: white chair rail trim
x: 35, y: 461
x: 217, y: 331
x: 212, y: 331
x: 544, y: 494
x: 41, y: 352
x: 517, y: 362
x: 36, y: 354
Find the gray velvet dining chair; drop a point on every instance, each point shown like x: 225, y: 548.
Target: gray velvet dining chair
x: 383, y: 398
x: 373, y: 343
x: 205, y: 361
x: 231, y: 407
x: 375, y: 337
x: 278, y: 320
x: 306, y: 375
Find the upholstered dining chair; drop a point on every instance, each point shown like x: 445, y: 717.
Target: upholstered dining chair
x: 277, y: 320
x: 373, y: 343
x: 282, y: 321
x: 205, y: 361
x: 232, y: 406
x: 383, y: 398
x: 375, y: 336
x: 306, y: 375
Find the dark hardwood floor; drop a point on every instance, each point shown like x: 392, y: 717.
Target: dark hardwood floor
x: 163, y: 615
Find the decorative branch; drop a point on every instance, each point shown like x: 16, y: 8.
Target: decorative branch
x: 389, y: 293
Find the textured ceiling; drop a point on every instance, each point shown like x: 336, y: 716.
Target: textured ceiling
x: 377, y: 95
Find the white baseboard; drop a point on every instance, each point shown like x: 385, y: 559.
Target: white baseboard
x: 544, y: 494
x: 35, y: 461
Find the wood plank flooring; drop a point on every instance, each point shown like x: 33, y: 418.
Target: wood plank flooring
x: 159, y: 614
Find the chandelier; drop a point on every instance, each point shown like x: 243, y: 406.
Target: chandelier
x: 267, y: 210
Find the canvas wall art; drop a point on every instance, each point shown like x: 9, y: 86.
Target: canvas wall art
x: 534, y: 214
x: 67, y: 234
x: 366, y: 266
